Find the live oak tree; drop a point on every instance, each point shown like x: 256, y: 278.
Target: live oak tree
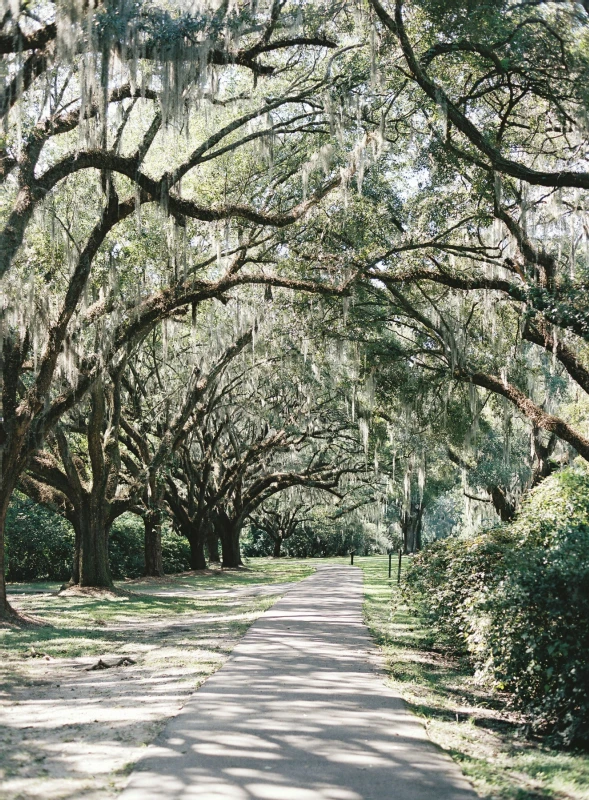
x: 280, y: 519
x: 109, y: 454
x: 273, y: 429
x: 93, y: 96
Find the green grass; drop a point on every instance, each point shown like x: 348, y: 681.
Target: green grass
x: 73, y: 626
x: 34, y: 588
x: 474, y: 726
x: 256, y: 571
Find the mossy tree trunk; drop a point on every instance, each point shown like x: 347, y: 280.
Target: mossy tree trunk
x: 229, y: 532
x: 277, y: 547
x: 213, y: 546
x: 6, y: 611
x: 411, y: 526
x: 197, y: 550
x: 94, y: 569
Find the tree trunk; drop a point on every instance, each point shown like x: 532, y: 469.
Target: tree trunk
x: 213, y: 546
x: 277, y: 547
x: 75, y: 579
x: 504, y: 507
x: 154, y: 566
x: 6, y: 612
x: 411, y: 527
x: 197, y: 550
x: 230, y: 548
x: 93, y: 563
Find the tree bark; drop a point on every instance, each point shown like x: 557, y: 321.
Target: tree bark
x: 537, y: 416
x: 197, y: 551
x: 229, y: 536
x: 94, y: 568
x: 6, y: 611
x: 505, y: 508
x: 277, y: 547
x: 411, y: 527
x: 154, y: 566
x: 75, y: 579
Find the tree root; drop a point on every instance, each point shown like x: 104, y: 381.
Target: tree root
x: 100, y: 664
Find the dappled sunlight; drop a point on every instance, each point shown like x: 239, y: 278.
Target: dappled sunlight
x: 68, y: 731
x: 298, y: 712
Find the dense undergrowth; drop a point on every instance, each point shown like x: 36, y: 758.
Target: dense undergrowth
x: 492, y: 742
x: 515, y: 602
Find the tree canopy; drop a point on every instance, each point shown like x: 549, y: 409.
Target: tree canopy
x: 290, y: 268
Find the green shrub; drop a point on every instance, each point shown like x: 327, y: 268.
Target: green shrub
x: 39, y: 543
x: 516, y: 599
x: 126, y: 548
x: 175, y: 551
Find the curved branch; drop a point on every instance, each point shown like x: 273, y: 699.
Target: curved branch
x: 533, y: 412
x: 497, y: 162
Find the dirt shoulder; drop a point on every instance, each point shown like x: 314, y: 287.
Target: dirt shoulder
x: 70, y: 731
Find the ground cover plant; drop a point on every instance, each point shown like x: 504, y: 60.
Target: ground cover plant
x: 489, y: 740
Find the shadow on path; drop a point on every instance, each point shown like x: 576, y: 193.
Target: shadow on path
x: 298, y: 713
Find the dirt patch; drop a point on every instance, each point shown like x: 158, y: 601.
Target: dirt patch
x: 91, y: 591
x: 73, y: 726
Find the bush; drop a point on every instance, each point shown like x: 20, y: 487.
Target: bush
x: 175, y: 551
x: 39, y: 543
x: 516, y: 599
x: 126, y: 548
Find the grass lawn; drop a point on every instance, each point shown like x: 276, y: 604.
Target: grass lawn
x: 486, y: 739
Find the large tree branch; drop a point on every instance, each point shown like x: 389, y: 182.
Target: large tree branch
x: 533, y: 412
x: 497, y: 161
x: 538, y: 332
x: 19, y: 42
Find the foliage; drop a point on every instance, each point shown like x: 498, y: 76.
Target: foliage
x: 516, y: 598
x: 175, y: 552
x: 126, y: 550
x: 321, y: 536
x: 39, y: 543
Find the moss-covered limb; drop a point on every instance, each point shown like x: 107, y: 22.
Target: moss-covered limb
x: 474, y: 726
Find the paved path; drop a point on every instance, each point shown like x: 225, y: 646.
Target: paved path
x: 298, y: 713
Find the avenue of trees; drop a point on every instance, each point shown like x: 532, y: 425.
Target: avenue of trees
x: 314, y: 273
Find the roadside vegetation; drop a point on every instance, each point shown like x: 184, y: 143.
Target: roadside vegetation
x: 490, y: 741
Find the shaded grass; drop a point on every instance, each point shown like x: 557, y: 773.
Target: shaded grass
x: 256, y: 571
x: 84, y: 625
x: 474, y: 726
x: 58, y: 718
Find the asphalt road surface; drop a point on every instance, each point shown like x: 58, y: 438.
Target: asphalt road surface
x: 299, y: 713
